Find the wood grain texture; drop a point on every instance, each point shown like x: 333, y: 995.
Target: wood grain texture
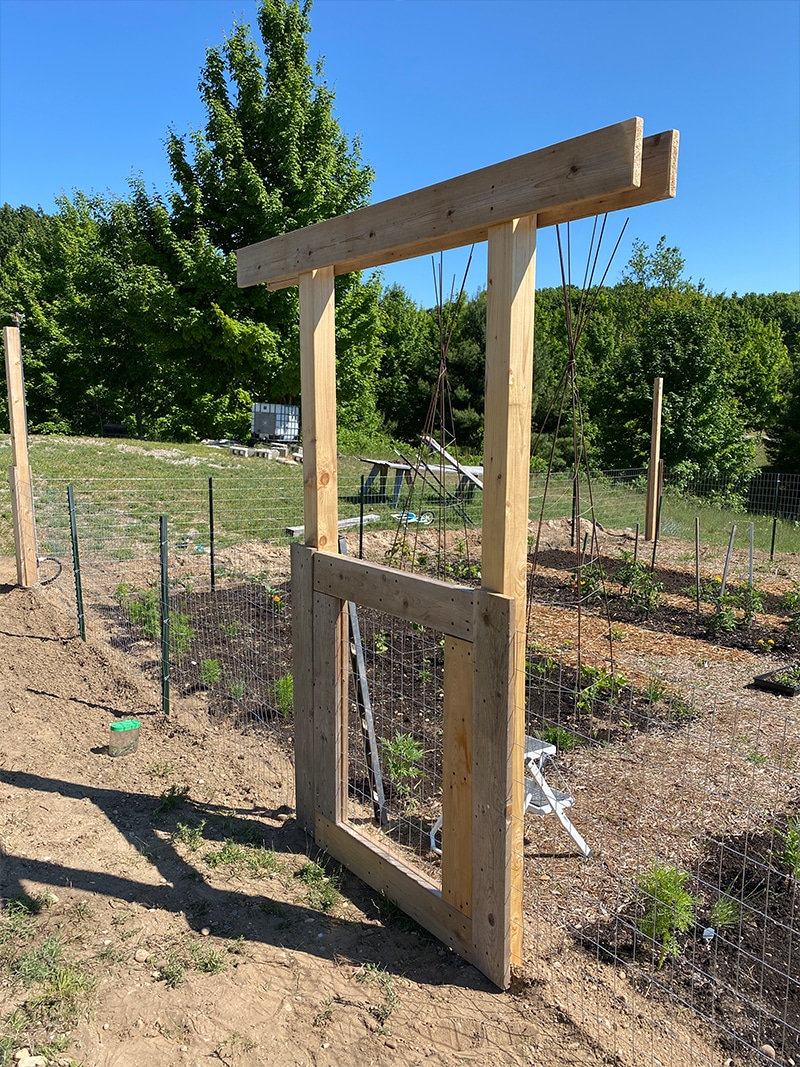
x: 493, y: 894
x: 408, y: 596
x: 303, y: 673
x: 459, y: 211
x: 457, y: 823
x: 330, y: 703
x: 22, y: 510
x: 407, y: 888
x: 318, y: 385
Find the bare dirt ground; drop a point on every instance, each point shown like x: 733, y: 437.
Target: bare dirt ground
x: 253, y: 949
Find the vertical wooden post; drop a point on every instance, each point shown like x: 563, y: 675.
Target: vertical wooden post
x: 500, y: 722
x: 320, y: 729
x: 19, y: 474
x: 653, y: 488
x: 303, y: 674
x: 318, y: 403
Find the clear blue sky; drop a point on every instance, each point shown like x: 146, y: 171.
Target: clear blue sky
x: 434, y: 88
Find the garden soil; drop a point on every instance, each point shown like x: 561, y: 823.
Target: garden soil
x: 198, y: 963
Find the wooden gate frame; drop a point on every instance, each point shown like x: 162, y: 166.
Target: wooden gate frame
x: 478, y: 911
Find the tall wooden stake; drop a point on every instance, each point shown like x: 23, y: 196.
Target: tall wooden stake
x: 19, y: 474
x: 655, y: 455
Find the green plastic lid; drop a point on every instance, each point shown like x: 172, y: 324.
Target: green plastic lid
x: 126, y: 724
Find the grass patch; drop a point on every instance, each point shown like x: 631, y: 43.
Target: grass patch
x: 321, y: 890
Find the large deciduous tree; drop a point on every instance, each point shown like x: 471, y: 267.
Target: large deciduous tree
x: 271, y: 158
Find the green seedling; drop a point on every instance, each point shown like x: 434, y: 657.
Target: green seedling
x: 322, y: 892
x: 210, y: 672
x: 668, y: 908
x: 790, y: 853
x: 284, y: 694
x: 402, y: 755
x: 171, y: 798
x: 191, y: 836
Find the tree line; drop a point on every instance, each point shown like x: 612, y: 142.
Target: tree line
x: 130, y: 312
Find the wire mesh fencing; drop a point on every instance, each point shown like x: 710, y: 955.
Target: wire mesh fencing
x: 676, y: 924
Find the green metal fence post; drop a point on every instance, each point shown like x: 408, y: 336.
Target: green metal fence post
x: 164, y: 615
x: 76, y: 563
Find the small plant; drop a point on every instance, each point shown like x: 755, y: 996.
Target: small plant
x: 322, y: 892
x: 231, y: 629
x: 160, y: 769
x: 381, y: 643
x: 191, y: 836
x: 171, y: 798
x: 207, y: 959
x: 172, y: 971
x: 790, y: 853
x: 372, y: 974
x: 284, y: 694
x: 210, y: 672
x: 724, y: 912
x: 325, y: 1014
x: 564, y: 740
x: 598, y: 683
x: 237, y: 689
x: 668, y: 907
x: 644, y: 591
x: 591, y: 583
x: 723, y: 621
x: 402, y: 755
x: 791, y: 605
x: 463, y: 570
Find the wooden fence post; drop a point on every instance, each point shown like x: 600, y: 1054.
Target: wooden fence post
x: 653, y: 487
x: 19, y: 474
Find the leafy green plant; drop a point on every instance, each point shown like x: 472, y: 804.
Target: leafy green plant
x: 598, y: 683
x: 564, y: 740
x: 171, y: 798
x: 322, y: 891
x: 231, y: 629
x: 723, y: 621
x: 790, y: 853
x: 207, y: 959
x: 668, y: 908
x: 191, y: 836
x: 591, y: 583
x: 210, y: 672
x: 237, y: 689
x: 402, y: 755
x: 143, y: 609
x: 644, y: 592
x: 791, y: 605
x: 284, y: 694
x: 381, y: 642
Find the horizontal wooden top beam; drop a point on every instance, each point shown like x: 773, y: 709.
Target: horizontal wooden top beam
x: 584, y: 176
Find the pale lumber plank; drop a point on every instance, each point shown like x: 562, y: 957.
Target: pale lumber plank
x: 658, y: 182
x: 408, y: 889
x: 457, y: 823
x: 330, y: 703
x: 303, y: 659
x: 651, y: 511
x: 22, y: 510
x: 507, y: 406
x: 494, y: 898
x: 448, y: 214
x: 318, y: 378
x: 407, y: 596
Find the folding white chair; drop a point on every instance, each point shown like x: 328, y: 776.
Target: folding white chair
x: 540, y: 797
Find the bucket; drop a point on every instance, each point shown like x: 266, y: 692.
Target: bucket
x: 124, y: 737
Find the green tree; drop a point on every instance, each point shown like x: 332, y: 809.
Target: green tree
x: 703, y: 426
x: 272, y: 158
